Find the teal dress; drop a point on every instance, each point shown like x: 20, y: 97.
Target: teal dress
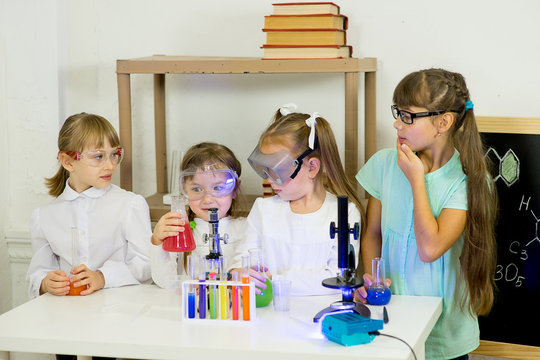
x: 456, y: 332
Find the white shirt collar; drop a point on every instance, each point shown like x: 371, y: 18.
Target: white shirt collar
x: 93, y: 192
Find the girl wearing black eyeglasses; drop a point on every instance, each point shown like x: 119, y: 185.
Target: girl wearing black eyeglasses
x: 431, y: 209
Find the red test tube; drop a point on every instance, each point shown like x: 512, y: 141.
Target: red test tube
x: 235, y: 297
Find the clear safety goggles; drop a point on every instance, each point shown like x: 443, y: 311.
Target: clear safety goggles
x: 279, y: 167
x: 200, y: 183
x: 97, y: 158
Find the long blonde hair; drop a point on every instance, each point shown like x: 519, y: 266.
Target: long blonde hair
x: 292, y: 132
x: 77, y: 132
x: 438, y: 89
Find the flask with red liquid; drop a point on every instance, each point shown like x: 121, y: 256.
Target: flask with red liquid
x: 183, y: 241
x: 75, y: 261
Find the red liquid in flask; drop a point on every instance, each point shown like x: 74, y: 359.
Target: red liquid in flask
x: 183, y: 241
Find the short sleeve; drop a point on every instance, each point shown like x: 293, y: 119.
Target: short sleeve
x: 371, y: 174
x: 458, y: 199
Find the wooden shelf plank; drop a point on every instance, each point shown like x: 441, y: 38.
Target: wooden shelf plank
x: 162, y: 64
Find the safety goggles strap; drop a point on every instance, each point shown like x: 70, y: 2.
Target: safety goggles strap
x: 298, y: 162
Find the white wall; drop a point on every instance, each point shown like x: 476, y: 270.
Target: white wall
x: 58, y: 58
x: 5, y: 284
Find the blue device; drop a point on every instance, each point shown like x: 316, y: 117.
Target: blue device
x: 350, y: 328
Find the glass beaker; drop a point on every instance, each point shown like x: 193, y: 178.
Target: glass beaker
x: 183, y: 240
x: 75, y: 261
x: 256, y: 260
x: 378, y: 293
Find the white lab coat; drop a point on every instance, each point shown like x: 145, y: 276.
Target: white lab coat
x: 297, y: 247
x: 114, y: 236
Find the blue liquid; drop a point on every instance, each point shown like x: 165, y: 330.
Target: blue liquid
x: 202, y: 302
x: 378, y: 296
x: 191, y: 305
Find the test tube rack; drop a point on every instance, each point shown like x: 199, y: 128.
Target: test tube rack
x: 222, y: 300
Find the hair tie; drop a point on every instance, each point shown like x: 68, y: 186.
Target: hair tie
x: 311, y: 121
x: 469, y: 105
x: 287, y: 109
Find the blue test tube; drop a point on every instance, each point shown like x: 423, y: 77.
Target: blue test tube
x: 202, y: 288
x: 191, y: 288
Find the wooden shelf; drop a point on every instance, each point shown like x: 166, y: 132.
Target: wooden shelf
x: 160, y: 65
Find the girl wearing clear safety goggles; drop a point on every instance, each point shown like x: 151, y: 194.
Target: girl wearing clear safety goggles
x: 209, y: 179
x: 108, y: 226
x: 298, y: 155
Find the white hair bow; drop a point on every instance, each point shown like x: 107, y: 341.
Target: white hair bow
x: 287, y: 109
x: 311, y: 122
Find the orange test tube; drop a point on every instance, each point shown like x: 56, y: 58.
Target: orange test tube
x: 245, y: 289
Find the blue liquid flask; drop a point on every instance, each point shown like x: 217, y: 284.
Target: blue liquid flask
x: 378, y: 293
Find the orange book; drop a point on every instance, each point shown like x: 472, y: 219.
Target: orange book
x: 324, y: 21
x: 306, y: 52
x: 297, y: 8
x: 305, y: 37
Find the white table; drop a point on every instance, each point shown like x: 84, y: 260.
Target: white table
x: 145, y: 322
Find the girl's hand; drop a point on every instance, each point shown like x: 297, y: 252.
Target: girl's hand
x: 84, y: 276
x: 169, y: 224
x: 259, y: 279
x: 409, y: 162
x: 55, y: 282
x: 255, y: 277
x: 360, y: 295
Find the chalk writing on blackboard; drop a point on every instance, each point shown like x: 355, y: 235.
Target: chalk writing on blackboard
x: 508, y: 166
x: 511, y: 272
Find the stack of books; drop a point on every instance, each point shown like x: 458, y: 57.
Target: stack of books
x: 307, y: 30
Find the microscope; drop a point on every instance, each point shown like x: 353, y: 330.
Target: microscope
x: 213, y: 237
x: 345, y: 279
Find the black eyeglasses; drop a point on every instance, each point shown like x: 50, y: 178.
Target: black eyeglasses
x: 407, y: 117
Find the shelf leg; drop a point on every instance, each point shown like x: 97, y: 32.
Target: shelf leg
x: 370, y: 115
x: 160, y: 130
x: 124, y: 112
x: 351, y: 124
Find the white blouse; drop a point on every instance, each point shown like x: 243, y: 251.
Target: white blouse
x: 297, y: 247
x: 167, y: 265
x: 114, y: 236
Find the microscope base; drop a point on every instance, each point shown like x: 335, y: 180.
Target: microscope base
x: 340, y: 306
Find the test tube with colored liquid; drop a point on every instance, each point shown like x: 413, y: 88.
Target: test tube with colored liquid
x: 202, y: 287
x: 235, y: 297
x: 213, y: 300
x: 191, y: 288
x: 245, y: 289
x: 75, y: 261
x: 223, y: 294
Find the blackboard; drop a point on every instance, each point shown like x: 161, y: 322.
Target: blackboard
x: 516, y: 160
